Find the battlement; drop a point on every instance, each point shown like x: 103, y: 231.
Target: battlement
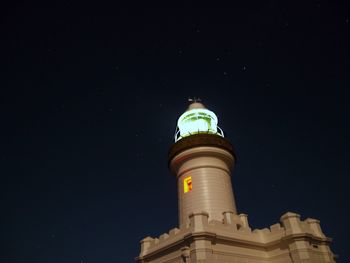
x: 235, y: 228
x: 148, y: 244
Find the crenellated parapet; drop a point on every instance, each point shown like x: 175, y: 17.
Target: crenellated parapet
x: 149, y: 244
x: 298, y: 240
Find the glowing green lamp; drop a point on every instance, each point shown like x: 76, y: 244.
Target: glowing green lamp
x: 197, y: 119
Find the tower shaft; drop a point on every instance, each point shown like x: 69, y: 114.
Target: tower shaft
x: 206, y: 160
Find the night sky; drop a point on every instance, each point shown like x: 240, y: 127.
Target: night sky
x: 90, y: 95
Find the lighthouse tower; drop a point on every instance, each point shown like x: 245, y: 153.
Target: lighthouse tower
x: 210, y: 230
x: 202, y: 159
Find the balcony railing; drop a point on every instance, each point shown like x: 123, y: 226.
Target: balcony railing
x: 177, y: 135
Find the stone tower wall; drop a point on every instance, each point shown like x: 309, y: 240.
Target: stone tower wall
x: 209, y: 169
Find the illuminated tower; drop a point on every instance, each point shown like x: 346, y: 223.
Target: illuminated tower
x: 210, y: 230
x: 202, y: 165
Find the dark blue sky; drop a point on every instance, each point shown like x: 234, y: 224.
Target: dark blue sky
x: 90, y: 96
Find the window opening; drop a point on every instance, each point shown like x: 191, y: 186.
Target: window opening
x: 187, y: 184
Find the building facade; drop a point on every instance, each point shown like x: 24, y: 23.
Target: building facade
x: 210, y: 229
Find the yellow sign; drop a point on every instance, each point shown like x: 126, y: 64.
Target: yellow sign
x: 187, y: 184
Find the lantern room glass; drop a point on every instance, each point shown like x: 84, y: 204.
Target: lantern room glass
x: 196, y: 121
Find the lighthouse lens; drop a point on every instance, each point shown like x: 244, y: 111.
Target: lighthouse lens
x: 196, y: 121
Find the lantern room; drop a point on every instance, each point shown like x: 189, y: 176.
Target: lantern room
x: 197, y: 119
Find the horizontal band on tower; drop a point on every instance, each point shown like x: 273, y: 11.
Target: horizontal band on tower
x: 197, y: 140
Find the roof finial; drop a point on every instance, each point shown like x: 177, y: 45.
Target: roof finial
x: 194, y: 100
x: 195, y: 103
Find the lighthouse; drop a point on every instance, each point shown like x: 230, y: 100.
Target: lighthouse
x: 210, y: 230
x: 202, y: 159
